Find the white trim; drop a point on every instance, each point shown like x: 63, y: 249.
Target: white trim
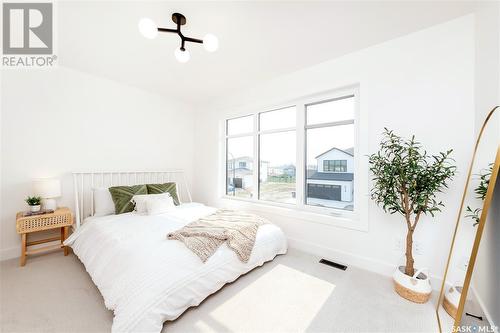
x: 239, y: 135
x: 287, y: 129
x: 301, y: 168
x: 342, y: 257
x: 10, y: 253
x: 330, y: 124
x: 483, y: 307
x: 349, y: 259
x: 256, y: 158
x: 330, y: 217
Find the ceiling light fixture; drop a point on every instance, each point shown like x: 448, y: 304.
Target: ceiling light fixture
x: 149, y: 29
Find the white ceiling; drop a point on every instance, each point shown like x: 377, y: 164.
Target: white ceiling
x: 258, y: 40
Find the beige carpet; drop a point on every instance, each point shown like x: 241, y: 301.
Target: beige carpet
x: 294, y: 293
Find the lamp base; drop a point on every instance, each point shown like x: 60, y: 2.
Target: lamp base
x: 178, y: 18
x: 49, y: 204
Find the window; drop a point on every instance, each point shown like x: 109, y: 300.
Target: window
x: 242, y: 125
x: 330, y: 152
x: 304, y: 153
x: 335, y: 166
x: 277, y: 144
x: 239, y: 157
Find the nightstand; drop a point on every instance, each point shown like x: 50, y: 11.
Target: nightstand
x: 61, y: 218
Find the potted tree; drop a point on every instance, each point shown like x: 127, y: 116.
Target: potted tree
x: 34, y: 203
x: 406, y: 181
x: 454, y: 293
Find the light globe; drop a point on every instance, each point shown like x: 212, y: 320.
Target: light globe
x: 148, y: 28
x: 210, y: 42
x: 182, y: 56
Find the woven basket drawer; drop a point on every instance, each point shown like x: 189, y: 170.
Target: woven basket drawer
x: 43, y: 223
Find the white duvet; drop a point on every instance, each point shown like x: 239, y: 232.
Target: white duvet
x: 145, y: 278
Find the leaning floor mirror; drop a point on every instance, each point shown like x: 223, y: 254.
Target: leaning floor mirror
x: 469, y: 300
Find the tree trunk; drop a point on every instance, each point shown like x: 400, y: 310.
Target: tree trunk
x: 409, y: 269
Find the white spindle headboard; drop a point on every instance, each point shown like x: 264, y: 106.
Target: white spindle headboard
x: 84, y: 182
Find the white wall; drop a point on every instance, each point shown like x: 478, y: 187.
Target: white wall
x: 57, y: 121
x: 420, y: 84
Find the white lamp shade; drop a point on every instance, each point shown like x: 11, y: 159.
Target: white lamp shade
x: 47, y: 187
x: 210, y: 43
x: 182, y: 56
x: 148, y: 28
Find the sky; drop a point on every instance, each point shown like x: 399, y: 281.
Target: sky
x: 280, y: 148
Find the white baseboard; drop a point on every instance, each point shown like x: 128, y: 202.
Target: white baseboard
x: 9, y: 253
x: 376, y: 266
x: 483, y: 307
x: 342, y: 257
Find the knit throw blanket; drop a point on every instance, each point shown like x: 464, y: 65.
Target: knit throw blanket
x: 204, y: 236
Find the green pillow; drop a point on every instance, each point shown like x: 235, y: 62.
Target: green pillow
x: 123, y: 194
x: 163, y: 188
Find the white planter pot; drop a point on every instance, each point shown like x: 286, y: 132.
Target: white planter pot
x: 452, y: 299
x: 416, y: 288
x: 35, y: 209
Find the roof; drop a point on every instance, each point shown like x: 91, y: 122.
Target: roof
x: 340, y: 176
x: 348, y: 151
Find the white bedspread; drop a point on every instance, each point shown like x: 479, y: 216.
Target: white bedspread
x: 145, y: 278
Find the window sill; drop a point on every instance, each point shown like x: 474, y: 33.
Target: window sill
x: 330, y: 217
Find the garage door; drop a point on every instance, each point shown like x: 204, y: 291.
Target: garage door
x: 320, y: 191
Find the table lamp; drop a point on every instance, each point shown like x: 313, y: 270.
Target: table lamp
x: 48, y: 189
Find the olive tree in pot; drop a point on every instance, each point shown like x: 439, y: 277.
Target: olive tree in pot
x: 454, y: 293
x: 406, y: 180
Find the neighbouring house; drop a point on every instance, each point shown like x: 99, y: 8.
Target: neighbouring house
x: 276, y: 171
x: 333, y: 178
x: 240, y: 171
x: 283, y: 170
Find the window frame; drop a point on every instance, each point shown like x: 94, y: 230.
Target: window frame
x: 259, y: 133
x: 226, y: 153
x: 315, y: 101
x: 356, y: 219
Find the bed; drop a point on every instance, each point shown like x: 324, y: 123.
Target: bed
x: 143, y: 277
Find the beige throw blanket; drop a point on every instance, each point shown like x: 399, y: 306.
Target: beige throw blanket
x: 204, y: 236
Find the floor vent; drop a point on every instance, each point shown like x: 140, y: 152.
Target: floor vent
x: 333, y: 264
x: 474, y: 316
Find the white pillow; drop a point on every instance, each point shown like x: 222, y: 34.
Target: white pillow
x: 103, y: 202
x: 159, y: 205
x: 140, y: 201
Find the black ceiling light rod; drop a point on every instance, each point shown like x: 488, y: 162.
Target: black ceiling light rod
x: 180, y: 19
x: 150, y: 30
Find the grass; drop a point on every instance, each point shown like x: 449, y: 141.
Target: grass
x: 272, y: 191
x: 281, y: 192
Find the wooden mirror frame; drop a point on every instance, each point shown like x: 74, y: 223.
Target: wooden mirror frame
x: 479, y: 233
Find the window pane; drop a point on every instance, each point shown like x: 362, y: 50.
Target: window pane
x: 239, y: 167
x: 284, y: 118
x: 240, y: 125
x: 330, y: 167
x: 332, y: 111
x: 277, y: 167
